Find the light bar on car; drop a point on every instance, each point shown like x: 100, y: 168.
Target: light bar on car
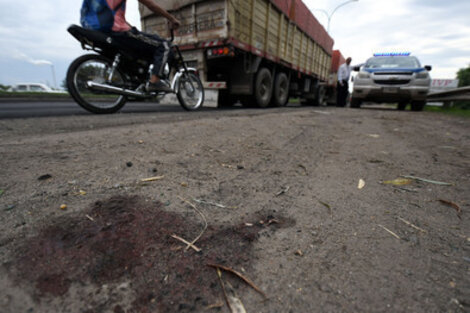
x: 392, y: 54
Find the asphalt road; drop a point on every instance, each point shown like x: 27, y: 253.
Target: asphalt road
x: 26, y: 109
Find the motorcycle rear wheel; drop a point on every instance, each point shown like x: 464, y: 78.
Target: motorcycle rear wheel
x: 190, y: 92
x: 95, y: 68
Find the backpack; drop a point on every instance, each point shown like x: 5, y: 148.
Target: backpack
x: 97, y: 15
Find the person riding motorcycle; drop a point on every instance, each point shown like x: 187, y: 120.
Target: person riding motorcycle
x: 123, y: 33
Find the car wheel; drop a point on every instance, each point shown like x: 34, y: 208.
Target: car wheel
x: 401, y: 106
x: 417, y: 105
x: 356, y: 103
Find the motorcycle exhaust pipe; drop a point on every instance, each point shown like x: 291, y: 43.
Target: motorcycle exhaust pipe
x: 116, y: 90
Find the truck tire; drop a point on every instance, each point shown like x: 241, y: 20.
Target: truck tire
x: 417, y: 105
x: 280, y: 90
x: 263, y: 87
x: 320, y: 96
x: 356, y: 103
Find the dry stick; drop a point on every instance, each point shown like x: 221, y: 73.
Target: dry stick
x: 428, y: 180
x: 186, y: 242
x: 246, y: 280
x: 214, y: 306
x: 219, y: 275
x: 234, y: 303
x: 412, y: 225
x: 285, y: 190
x: 200, y: 201
x: 203, y: 218
x: 152, y: 179
x: 389, y: 231
x: 453, y: 205
x: 326, y: 205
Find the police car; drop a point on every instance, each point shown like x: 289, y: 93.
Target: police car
x: 392, y: 78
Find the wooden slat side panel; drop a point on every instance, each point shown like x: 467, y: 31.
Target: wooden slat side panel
x: 259, y: 19
x: 290, y: 42
x: 297, y: 46
x: 284, y: 37
x: 272, y: 40
x: 201, y: 20
x: 316, y: 60
x: 309, y: 56
x: 303, y: 51
x: 263, y: 24
x: 242, y: 21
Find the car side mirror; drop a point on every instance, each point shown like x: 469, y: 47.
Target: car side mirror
x: 428, y: 67
x: 356, y: 68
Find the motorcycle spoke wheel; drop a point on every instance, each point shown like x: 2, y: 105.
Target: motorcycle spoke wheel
x: 190, y: 92
x: 96, y: 69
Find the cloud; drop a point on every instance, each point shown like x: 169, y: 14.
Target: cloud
x: 436, y: 31
x: 24, y: 57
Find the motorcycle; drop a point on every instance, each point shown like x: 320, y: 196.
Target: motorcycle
x: 102, y: 82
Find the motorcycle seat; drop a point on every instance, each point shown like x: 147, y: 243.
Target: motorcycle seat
x: 92, y: 38
x: 106, y: 42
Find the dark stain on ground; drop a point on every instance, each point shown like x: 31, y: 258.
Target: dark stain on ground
x: 129, y: 240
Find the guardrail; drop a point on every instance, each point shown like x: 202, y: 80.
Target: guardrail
x: 457, y: 94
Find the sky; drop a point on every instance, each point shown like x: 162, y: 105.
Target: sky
x: 35, y: 45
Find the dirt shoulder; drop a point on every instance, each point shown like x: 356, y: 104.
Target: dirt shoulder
x: 277, y: 190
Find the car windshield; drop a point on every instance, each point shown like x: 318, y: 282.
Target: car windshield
x: 392, y: 62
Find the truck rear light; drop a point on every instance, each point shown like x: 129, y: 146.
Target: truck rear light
x: 220, y: 51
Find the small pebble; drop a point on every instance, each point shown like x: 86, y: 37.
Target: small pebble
x: 44, y: 177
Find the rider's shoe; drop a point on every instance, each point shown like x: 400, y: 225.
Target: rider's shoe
x: 158, y: 87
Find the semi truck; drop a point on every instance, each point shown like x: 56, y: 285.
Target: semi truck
x: 258, y: 52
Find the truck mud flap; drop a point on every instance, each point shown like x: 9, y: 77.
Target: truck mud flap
x: 214, y: 85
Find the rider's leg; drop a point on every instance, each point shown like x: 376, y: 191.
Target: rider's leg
x: 159, y: 48
x: 161, y: 51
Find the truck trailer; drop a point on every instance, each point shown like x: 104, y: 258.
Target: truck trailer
x: 336, y: 60
x: 258, y: 52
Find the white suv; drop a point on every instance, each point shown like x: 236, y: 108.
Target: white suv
x: 390, y: 78
x: 32, y: 87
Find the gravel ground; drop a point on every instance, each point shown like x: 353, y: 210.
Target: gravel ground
x: 304, y: 202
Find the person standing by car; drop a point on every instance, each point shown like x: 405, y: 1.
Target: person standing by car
x: 344, y: 72
x: 125, y: 34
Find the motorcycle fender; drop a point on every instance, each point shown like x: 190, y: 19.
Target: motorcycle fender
x: 174, y: 83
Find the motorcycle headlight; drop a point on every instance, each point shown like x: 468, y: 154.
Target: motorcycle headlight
x: 422, y: 75
x: 363, y: 75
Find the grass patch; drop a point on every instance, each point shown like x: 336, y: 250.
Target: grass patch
x: 452, y: 111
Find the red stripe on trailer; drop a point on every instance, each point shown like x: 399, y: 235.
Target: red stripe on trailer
x: 211, y: 43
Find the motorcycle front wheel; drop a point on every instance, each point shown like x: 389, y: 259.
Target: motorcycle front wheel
x: 94, y: 68
x: 190, y: 91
